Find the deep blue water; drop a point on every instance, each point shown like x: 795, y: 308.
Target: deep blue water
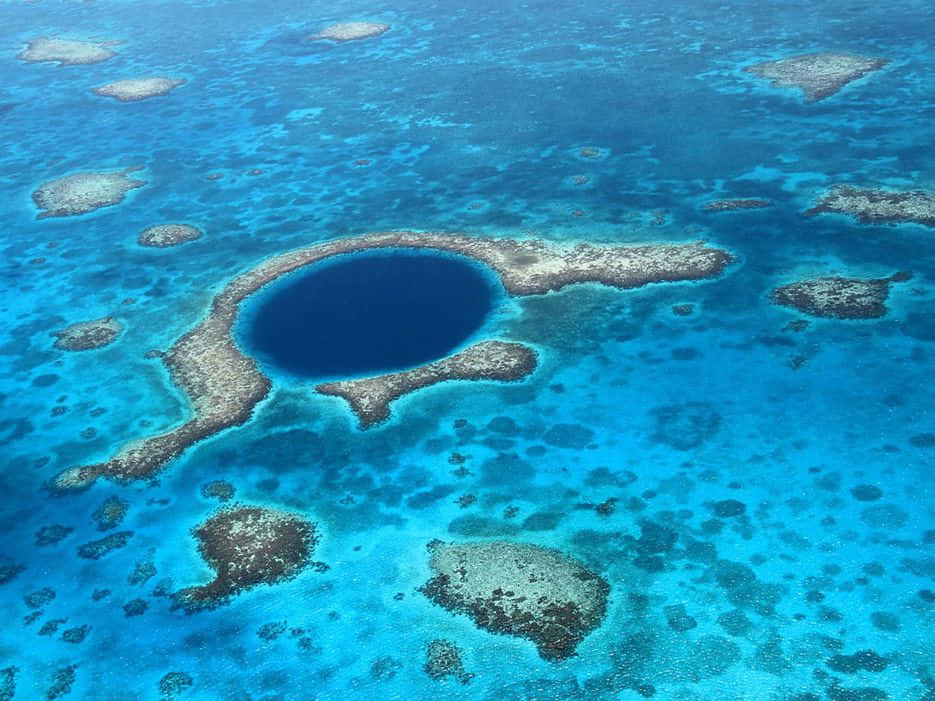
x: 369, y: 313
x: 471, y: 117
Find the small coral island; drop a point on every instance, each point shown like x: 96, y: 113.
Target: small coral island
x: 370, y: 397
x: 351, y: 31
x: 134, y: 89
x: 86, y: 335
x: 66, y: 52
x: 248, y: 546
x: 223, y: 385
x: 838, y: 297
x: 80, y: 193
x: 519, y: 589
x: 878, y: 206
x: 165, y: 235
x: 818, y: 75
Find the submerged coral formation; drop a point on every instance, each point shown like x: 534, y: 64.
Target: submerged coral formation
x: 134, y: 89
x: 370, y: 397
x: 165, y: 235
x: 838, y: 297
x: 519, y: 589
x: 86, y: 335
x: 818, y: 75
x: 80, y: 193
x: 350, y: 31
x: 66, y: 52
x: 734, y: 205
x: 443, y: 659
x: 871, y: 206
x: 247, y: 546
x: 224, y: 385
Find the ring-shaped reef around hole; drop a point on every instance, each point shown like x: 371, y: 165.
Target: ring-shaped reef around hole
x: 368, y: 313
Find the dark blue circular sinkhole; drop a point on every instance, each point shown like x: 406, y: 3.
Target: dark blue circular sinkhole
x: 367, y: 313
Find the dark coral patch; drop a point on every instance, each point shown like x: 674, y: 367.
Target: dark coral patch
x: 686, y: 426
x: 247, y: 546
x: 96, y: 549
x: 443, y: 659
x: 866, y: 492
x: 571, y: 436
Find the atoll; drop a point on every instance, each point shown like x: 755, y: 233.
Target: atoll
x: 66, y: 52
x: 165, y: 235
x: 223, y: 385
x: 370, y: 397
x: 351, y: 31
x: 838, y: 297
x: 735, y: 205
x: 80, y: 193
x: 871, y: 206
x: 135, y: 89
x: 443, y: 659
x: 247, y: 546
x: 86, y: 335
x: 818, y: 75
x: 519, y: 589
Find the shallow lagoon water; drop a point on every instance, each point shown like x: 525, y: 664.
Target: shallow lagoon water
x: 773, y: 483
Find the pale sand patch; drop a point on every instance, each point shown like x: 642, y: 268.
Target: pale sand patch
x: 818, y: 75
x: 80, y: 193
x: 351, y: 31
x: 135, y: 89
x: 66, y: 52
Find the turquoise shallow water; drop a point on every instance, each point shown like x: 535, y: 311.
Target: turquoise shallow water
x: 742, y: 455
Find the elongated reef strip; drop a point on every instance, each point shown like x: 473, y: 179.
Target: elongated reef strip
x: 135, y: 89
x: 871, y: 206
x: 370, y: 397
x: 224, y: 385
x: 734, y: 205
x: 352, y: 31
x: 66, y: 52
x: 247, y: 546
x: 818, y: 75
x: 80, y: 193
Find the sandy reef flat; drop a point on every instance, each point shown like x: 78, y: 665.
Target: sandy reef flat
x: 871, y: 206
x: 818, y: 75
x: 166, y: 235
x: 66, y: 52
x: 135, y: 89
x: 224, y: 385
x: 80, y: 193
x: 352, y: 31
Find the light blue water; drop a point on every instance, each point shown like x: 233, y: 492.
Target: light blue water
x: 471, y: 117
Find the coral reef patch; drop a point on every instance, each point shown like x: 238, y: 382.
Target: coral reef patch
x: 818, y: 75
x: 351, y: 31
x: 870, y: 206
x: 519, y: 589
x: 80, y: 193
x: 86, y: 335
x: 248, y: 546
x: 135, y: 89
x: 837, y: 297
x: 66, y: 52
x: 165, y: 235
x: 443, y: 659
x: 735, y: 205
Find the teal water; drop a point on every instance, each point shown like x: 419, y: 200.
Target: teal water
x: 471, y: 118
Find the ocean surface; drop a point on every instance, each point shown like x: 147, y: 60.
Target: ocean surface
x: 768, y: 530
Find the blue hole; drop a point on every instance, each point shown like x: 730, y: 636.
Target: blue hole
x: 369, y: 313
